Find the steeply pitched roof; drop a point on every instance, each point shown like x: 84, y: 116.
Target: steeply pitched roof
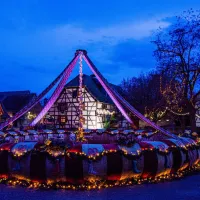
x: 14, y: 101
x: 93, y: 86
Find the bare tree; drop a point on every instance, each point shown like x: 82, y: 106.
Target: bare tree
x: 178, y: 55
x: 145, y: 95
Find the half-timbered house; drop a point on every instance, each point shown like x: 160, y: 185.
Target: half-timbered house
x: 97, y: 106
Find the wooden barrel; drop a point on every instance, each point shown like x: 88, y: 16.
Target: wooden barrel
x: 156, y: 163
x: 4, y: 155
x: 107, y: 167
x: 132, y: 166
x: 179, y: 156
x: 38, y: 166
x: 74, y: 166
x: 193, y: 151
x: 111, y: 166
x: 55, y: 169
x: 19, y: 166
x: 112, y: 162
x: 94, y: 170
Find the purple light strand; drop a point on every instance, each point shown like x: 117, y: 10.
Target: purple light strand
x: 56, y: 93
x: 34, y: 101
x: 108, y: 92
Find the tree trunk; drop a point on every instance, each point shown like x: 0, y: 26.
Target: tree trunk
x: 182, y: 122
x: 193, y: 121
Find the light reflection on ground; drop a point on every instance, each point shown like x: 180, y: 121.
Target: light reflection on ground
x: 185, y: 189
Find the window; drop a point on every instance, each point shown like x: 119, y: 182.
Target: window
x: 63, y: 119
x: 74, y: 93
x: 104, y: 106
x: 62, y: 107
x: 83, y: 105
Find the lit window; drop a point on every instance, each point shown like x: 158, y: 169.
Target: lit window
x: 63, y: 119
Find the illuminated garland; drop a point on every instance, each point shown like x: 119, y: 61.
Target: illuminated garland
x: 97, y: 184
x: 108, y: 132
x: 54, y: 152
x: 172, y: 93
x: 18, y: 155
x: 125, y: 153
x: 150, y: 113
x: 175, y: 113
x: 80, y: 98
x: 169, y: 92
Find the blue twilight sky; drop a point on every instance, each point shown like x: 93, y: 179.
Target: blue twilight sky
x: 39, y: 37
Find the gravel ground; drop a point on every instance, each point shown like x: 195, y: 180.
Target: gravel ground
x: 187, y: 188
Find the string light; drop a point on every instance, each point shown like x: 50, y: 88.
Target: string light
x: 173, y: 96
x: 31, y: 115
x: 80, y: 98
x: 151, y: 113
x: 96, y: 184
x: 172, y: 93
x: 55, y: 151
x: 175, y: 113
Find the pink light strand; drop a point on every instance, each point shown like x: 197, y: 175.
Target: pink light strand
x: 34, y: 101
x: 80, y: 95
x: 108, y: 91
x: 56, y: 93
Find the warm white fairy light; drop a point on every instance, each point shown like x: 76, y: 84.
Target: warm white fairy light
x: 80, y: 96
x: 175, y: 113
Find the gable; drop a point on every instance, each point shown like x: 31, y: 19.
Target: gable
x: 93, y: 87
